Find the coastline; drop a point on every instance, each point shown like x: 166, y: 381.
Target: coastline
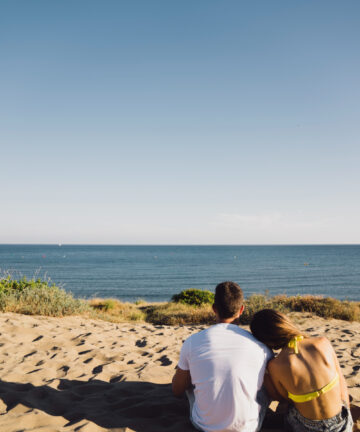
x: 82, y: 374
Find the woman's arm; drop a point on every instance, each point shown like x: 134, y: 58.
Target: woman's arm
x: 272, y: 383
x: 270, y: 388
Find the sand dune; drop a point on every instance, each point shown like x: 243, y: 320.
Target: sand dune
x: 74, y: 374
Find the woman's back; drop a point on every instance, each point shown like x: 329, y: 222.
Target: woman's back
x: 306, y: 373
x: 311, y: 369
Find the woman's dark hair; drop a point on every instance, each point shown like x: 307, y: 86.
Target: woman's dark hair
x: 273, y: 328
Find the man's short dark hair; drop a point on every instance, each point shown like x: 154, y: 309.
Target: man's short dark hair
x: 228, y: 299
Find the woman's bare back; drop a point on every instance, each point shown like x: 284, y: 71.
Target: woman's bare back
x: 312, y: 368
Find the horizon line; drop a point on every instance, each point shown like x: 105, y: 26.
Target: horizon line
x: 179, y: 244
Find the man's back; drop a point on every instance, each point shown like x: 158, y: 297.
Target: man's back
x: 227, y: 366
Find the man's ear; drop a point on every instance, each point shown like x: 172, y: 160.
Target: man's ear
x: 241, y: 310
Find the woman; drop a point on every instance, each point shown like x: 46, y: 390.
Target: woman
x: 306, y: 373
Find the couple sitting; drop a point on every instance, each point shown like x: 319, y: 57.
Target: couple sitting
x: 230, y: 375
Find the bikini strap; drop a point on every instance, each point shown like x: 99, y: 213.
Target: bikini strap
x: 293, y: 343
x: 313, y: 395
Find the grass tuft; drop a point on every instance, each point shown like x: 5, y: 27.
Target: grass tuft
x: 42, y: 300
x: 194, y: 297
x: 115, y: 310
x: 178, y: 314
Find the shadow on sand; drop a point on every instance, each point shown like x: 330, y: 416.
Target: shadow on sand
x: 141, y: 406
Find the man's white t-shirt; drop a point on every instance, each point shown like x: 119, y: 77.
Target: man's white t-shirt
x: 227, y: 366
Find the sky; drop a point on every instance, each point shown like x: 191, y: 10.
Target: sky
x: 179, y: 122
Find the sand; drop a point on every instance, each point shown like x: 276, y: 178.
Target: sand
x: 76, y: 374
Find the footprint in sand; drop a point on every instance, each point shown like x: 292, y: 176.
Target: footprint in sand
x: 97, y: 369
x: 164, y: 361
x: 34, y: 371
x: 141, y: 343
x: 29, y: 354
x: 116, y: 379
x: 65, y: 369
x: 356, y: 352
x: 355, y: 369
x: 84, y: 352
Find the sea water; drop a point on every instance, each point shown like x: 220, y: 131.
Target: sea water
x: 155, y: 273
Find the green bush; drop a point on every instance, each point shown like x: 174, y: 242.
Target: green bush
x: 8, y: 285
x: 37, y: 297
x: 194, y: 297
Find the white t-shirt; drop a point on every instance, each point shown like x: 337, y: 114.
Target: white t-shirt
x: 227, y: 366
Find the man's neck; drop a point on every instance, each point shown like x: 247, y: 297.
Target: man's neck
x: 228, y: 320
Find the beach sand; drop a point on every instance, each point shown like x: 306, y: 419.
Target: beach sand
x: 77, y: 374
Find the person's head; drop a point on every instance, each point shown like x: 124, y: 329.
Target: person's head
x: 228, y: 301
x: 273, y: 328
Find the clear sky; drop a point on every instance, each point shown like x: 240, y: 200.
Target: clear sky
x: 180, y: 122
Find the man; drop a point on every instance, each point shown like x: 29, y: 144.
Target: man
x: 222, y: 370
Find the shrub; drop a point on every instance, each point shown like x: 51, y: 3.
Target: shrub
x: 252, y: 305
x: 325, y: 307
x: 140, y: 301
x: 115, y: 311
x: 194, y: 297
x: 109, y: 304
x: 257, y: 302
x: 179, y: 314
x: 41, y: 299
x: 9, y: 285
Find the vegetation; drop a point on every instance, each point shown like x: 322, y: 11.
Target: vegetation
x: 326, y: 307
x: 38, y: 297
x: 194, y: 297
x: 178, y: 314
x: 172, y: 313
x: 116, y: 311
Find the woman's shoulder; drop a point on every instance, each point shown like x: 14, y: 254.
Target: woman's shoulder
x: 318, y: 342
x: 276, y: 363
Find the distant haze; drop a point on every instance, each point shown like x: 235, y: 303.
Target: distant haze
x: 158, y: 122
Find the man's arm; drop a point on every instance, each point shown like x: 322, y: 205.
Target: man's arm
x: 181, y: 381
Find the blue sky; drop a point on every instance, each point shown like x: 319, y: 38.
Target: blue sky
x: 189, y: 122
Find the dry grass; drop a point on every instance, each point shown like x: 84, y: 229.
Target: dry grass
x: 178, y: 314
x: 324, y: 307
x: 116, y: 311
x: 181, y: 314
x: 42, y: 298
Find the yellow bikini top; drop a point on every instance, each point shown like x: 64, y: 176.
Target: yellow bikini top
x: 313, y: 395
x: 293, y: 343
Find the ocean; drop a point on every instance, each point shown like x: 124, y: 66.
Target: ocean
x: 155, y: 273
